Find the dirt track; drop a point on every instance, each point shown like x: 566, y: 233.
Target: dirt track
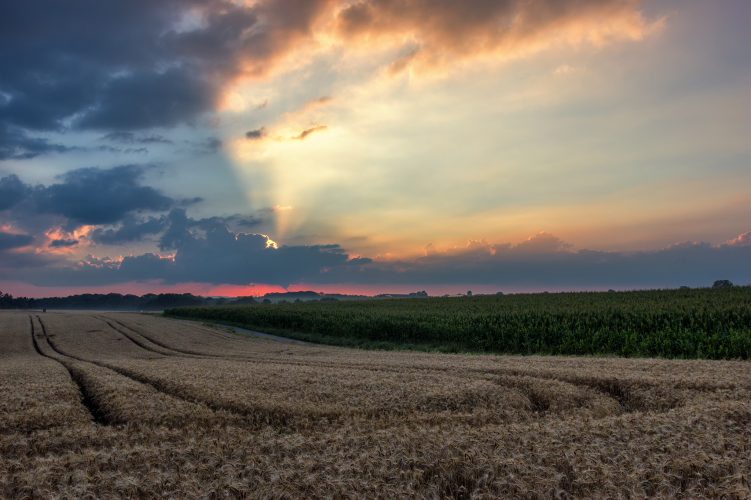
x: 137, y: 405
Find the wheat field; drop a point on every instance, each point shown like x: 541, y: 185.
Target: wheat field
x: 118, y: 404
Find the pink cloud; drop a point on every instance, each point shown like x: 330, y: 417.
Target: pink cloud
x: 741, y: 240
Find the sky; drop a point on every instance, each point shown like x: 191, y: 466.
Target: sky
x: 226, y: 147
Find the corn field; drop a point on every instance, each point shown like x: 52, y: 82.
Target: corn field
x: 699, y: 323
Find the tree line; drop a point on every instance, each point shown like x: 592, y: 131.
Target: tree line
x: 150, y: 301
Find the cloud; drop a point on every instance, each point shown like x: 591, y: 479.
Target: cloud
x: 256, y: 134
x: 312, y: 104
x: 173, y: 228
x: 16, y: 144
x: 149, y: 99
x: 12, y: 191
x: 186, y: 202
x: 10, y: 240
x: 541, y: 243
x: 305, y: 133
x: 133, y: 138
x: 181, y: 229
x: 222, y: 256
x: 444, y: 31
x: 63, y: 243
x: 128, y: 66
x: 137, y: 64
x: 207, y: 146
x: 545, y: 261
x: 16, y: 264
x: 741, y: 240
x: 131, y: 229
x: 209, y: 252
x: 217, y: 255
x: 98, y: 196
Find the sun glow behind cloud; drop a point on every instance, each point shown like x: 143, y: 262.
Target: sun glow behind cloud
x: 344, y: 137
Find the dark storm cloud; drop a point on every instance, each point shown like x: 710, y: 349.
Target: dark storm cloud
x: 27, y: 265
x: 173, y: 228
x: 57, y: 58
x: 98, y: 196
x: 208, y: 251
x: 63, y: 243
x: 10, y: 240
x: 186, y: 202
x: 131, y: 229
x: 246, y: 221
x: 16, y: 144
x: 211, y: 255
x: 222, y: 256
x: 149, y: 99
x: 12, y: 191
x: 182, y: 229
x: 126, y: 65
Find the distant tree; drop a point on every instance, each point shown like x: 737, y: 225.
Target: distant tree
x: 722, y: 284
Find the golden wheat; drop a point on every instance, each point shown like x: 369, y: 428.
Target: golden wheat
x: 131, y: 405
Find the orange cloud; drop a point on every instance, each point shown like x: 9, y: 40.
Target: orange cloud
x: 305, y: 133
x: 278, y: 34
x: 62, y: 242
x: 443, y: 31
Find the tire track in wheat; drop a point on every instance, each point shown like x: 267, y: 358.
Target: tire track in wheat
x: 143, y: 342
x: 253, y: 414
x: 87, y: 400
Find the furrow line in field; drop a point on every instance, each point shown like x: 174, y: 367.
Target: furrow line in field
x: 271, y: 360
x: 120, y: 371
x: 157, y: 349
x: 191, y: 353
x: 255, y: 415
x: 166, y: 346
x: 624, y: 391
x: 87, y: 399
x: 615, y: 389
